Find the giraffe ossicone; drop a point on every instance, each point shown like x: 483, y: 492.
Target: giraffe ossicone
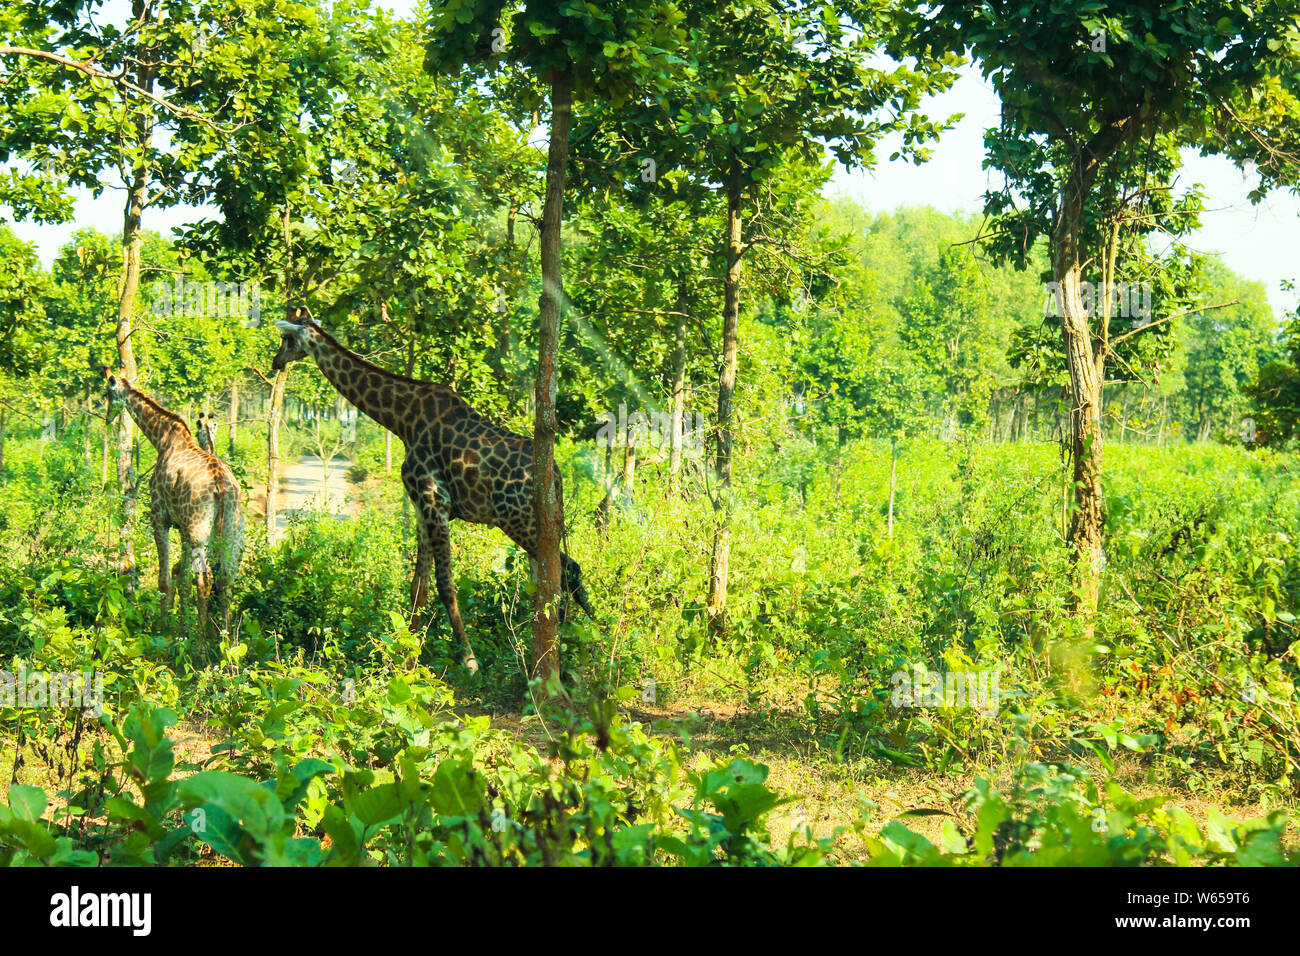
x: 459, y: 465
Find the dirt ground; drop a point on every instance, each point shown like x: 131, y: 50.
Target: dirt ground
x: 304, y: 484
x: 830, y: 793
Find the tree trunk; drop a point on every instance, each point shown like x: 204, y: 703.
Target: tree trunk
x: 128, y: 287
x: 501, y: 359
x: 85, y: 429
x: 1086, y: 377
x: 388, y: 436
x: 602, y: 509
x: 718, y: 565
x: 410, y: 373
x: 546, y: 502
x: 679, y: 388
x: 893, y: 482
x: 234, y: 414
x: 629, y: 469
x: 275, y: 407
x: 103, y: 468
x: 275, y: 412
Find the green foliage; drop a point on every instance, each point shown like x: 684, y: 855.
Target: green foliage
x: 429, y: 792
x: 1275, y: 393
x: 896, y: 501
x: 612, y: 50
x: 22, y: 285
x: 339, y: 743
x: 1054, y: 815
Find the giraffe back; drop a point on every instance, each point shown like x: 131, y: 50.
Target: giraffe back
x: 199, y: 495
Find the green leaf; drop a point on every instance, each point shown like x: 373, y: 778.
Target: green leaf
x: 377, y: 805
x: 27, y: 802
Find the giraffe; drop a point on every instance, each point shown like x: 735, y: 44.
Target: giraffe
x: 205, y: 433
x: 194, y: 492
x: 458, y: 464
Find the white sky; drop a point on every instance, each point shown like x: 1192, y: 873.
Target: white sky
x: 1255, y: 241
x: 1258, y: 242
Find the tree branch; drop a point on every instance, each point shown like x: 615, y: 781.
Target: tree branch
x: 1151, y: 325
x: 117, y: 79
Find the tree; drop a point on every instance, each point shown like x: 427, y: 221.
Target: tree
x: 1081, y: 87
x: 282, y: 169
x: 948, y: 330
x: 86, y: 98
x: 1275, y: 393
x: 645, y: 250
x: 773, y: 86
x: 579, y: 50
x: 23, y: 284
x: 1222, y: 352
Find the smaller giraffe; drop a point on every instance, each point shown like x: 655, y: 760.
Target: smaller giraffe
x: 205, y: 432
x: 194, y: 492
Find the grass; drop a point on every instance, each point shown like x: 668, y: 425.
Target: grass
x: 1201, y: 589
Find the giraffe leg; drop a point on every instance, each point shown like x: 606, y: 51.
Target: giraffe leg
x: 436, y: 525
x: 423, y: 554
x: 226, y: 554
x: 162, y: 541
x: 182, y: 585
x: 223, y: 585
x: 423, y: 564
x: 203, y: 591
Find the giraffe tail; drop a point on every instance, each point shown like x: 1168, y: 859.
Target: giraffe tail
x: 573, y: 585
x: 571, y: 571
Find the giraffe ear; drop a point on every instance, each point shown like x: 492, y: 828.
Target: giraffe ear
x: 284, y: 326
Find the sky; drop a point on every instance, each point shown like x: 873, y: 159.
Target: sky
x: 1256, y: 241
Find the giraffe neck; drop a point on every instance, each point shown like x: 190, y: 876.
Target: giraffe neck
x: 389, y: 399
x: 160, y: 426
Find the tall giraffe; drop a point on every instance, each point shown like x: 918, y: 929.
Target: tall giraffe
x: 458, y: 464
x: 194, y: 492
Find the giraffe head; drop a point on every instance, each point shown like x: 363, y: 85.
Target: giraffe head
x: 116, y: 388
x: 294, y: 333
x: 205, y: 432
